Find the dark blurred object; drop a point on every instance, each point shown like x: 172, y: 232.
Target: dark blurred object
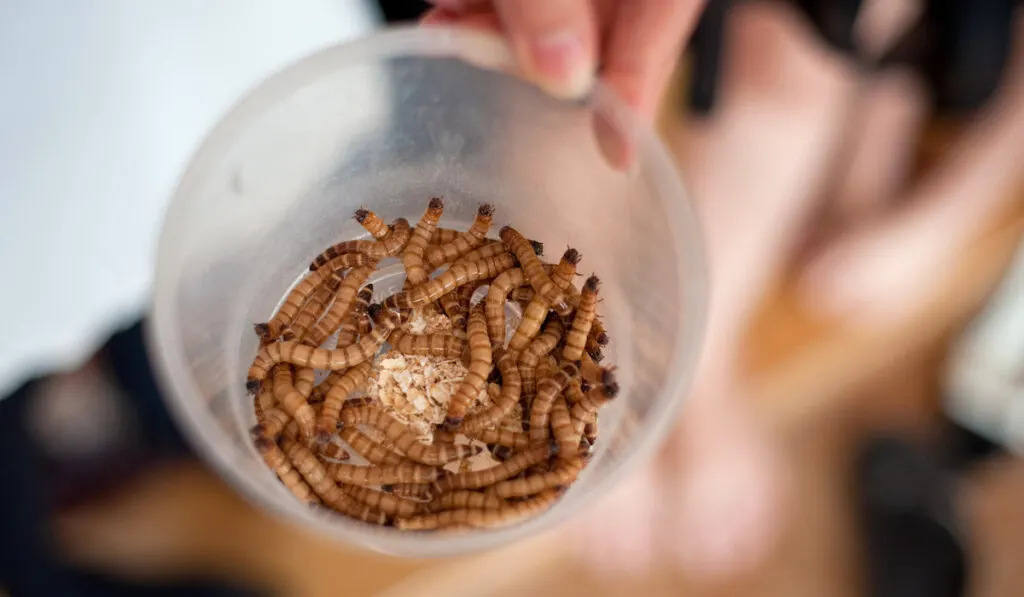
x: 912, y: 541
x: 959, y: 46
x: 72, y: 437
x: 397, y: 11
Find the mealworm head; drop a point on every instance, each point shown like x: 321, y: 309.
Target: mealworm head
x: 452, y: 423
x: 361, y: 214
x: 436, y: 203
x: 597, y: 356
x: 501, y: 453
x: 571, y: 255
x: 592, y: 283
x: 603, y: 339
x: 611, y: 390
x: 387, y: 488
x: 262, y: 330
x: 538, y: 247
x: 485, y: 210
x: 252, y: 385
x: 585, y: 386
x: 257, y: 431
x: 263, y: 444
x: 323, y: 437
x: 608, y: 378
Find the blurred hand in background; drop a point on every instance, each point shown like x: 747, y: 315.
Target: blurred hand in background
x: 806, y: 160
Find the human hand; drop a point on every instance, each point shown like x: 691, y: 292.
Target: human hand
x: 565, y: 45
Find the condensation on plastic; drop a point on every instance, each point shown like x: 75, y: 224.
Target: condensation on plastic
x: 386, y: 122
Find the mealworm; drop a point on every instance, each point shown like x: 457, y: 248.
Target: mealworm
x: 305, y: 377
x: 313, y: 310
x: 437, y: 255
x: 590, y: 370
x: 488, y: 249
x: 479, y: 369
x: 597, y: 397
x: 511, y: 388
x: 503, y: 453
x: 533, y: 268
x: 537, y: 348
x: 464, y: 498
x: 316, y: 476
x: 509, y: 513
x: 372, y: 451
x: 412, y: 257
x: 292, y: 402
x: 518, y: 463
x: 574, y: 391
x: 343, y: 302
x: 516, y: 440
x: 420, y: 491
x: 387, y: 503
x: 560, y: 476
x: 263, y: 401
x: 596, y: 340
x: 302, y: 291
x: 404, y: 439
x: 357, y: 401
x: 389, y: 246
x: 563, y: 431
x: 576, y: 339
x: 564, y: 271
x: 321, y: 358
x: 494, y: 305
x: 274, y: 422
x: 443, y: 235
x: 434, y: 345
x: 405, y: 472
x: 454, y: 310
x: 373, y: 224
x: 590, y: 430
x: 279, y: 463
x: 333, y: 452
x: 357, y: 321
x: 352, y: 380
x: 547, y: 390
x: 522, y: 295
x: 537, y: 309
x: 455, y: 276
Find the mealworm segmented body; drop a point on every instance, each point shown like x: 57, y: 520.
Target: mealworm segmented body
x: 541, y: 346
x: 349, y: 382
x: 373, y: 224
x: 302, y: 291
x: 313, y: 310
x: 419, y: 491
x: 357, y: 321
x: 435, y: 345
x: 547, y: 390
x: 454, y: 310
x: 533, y: 268
x: 479, y: 369
x: 292, y: 402
x: 279, y: 463
x: 511, y: 388
x: 321, y: 358
x: 443, y: 235
x: 389, y: 246
x: 537, y: 309
x: 371, y: 450
x: 404, y: 439
x: 334, y: 452
x: 576, y: 339
x: 561, y: 475
x: 455, y: 276
x: 516, y: 464
x: 509, y: 513
x: 595, y: 398
x: 563, y: 430
x: 516, y: 440
x: 465, y: 498
x: 484, y: 251
x: 316, y: 476
x: 405, y: 472
x: 346, y: 296
x: 494, y: 303
x: 437, y: 255
x: 274, y: 422
x: 412, y: 257
x: 387, y: 503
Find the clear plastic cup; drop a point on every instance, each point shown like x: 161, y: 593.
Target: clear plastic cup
x: 386, y: 122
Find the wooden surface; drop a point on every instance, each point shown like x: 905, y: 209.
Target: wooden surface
x: 824, y: 382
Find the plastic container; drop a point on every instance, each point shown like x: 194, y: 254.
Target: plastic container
x: 386, y: 122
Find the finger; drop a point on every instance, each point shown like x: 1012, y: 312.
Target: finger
x: 644, y: 43
x: 555, y: 42
x: 479, y: 21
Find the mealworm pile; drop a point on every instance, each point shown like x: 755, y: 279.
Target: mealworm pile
x: 463, y: 419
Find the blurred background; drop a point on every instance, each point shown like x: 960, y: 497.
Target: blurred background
x: 883, y: 341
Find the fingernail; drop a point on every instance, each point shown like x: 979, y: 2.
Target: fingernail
x: 561, y: 65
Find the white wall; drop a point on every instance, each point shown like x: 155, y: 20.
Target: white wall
x: 101, y: 105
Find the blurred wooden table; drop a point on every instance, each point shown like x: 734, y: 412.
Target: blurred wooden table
x: 186, y: 520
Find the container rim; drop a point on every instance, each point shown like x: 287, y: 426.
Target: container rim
x: 486, y: 51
